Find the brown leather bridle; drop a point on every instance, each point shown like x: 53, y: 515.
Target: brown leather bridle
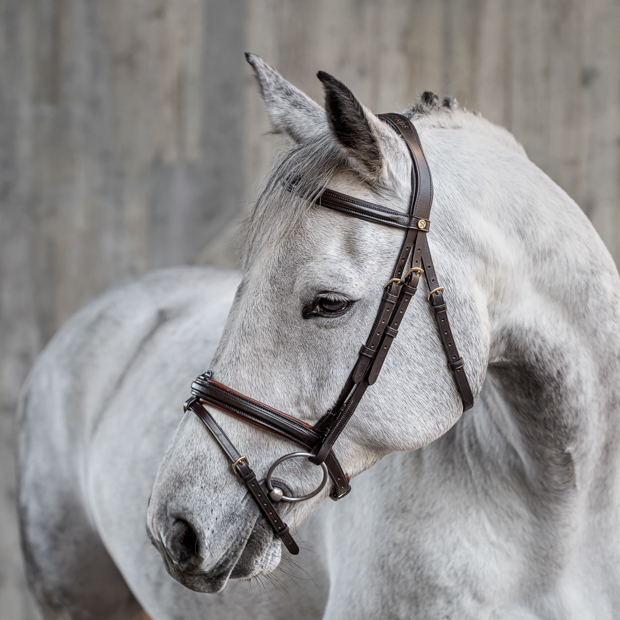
x: 318, y: 440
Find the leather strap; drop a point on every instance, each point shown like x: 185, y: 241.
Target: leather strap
x: 455, y: 361
x: 422, y: 195
x: 241, y: 468
x: 389, y: 300
x: 368, y: 211
x: 396, y: 299
x: 384, y: 331
x: 408, y: 291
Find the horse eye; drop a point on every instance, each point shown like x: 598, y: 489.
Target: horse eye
x: 331, y: 306
x: 328, y: 306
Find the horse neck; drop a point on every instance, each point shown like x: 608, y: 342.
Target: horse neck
x: 548, y: 411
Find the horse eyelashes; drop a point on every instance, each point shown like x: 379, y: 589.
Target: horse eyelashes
x: 326, y: 306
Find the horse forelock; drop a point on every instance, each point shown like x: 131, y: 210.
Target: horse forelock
x: 309, y: 167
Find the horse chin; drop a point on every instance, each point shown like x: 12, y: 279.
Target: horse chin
x: 205, y: 584
x: 261, y: 555
x: 210, y: 582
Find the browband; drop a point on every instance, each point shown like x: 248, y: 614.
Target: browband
x: 414, y: 259
x: 368, y: 211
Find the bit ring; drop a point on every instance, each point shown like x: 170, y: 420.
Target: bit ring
x: 285, y: 498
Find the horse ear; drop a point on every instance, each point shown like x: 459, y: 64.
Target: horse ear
x: 292, y: 113
x: 355, y: 127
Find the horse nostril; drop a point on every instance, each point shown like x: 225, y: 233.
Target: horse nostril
x: 184, y: 546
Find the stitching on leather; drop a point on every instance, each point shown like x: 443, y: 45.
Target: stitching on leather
x: 243, y: 414
x: 261, y: 406
x: 361, y: 203
x: 256, y: 418
x: 380, y: 218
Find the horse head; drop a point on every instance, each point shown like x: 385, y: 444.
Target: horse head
x: 312, y: 283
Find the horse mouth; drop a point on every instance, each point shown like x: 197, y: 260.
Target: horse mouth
x: 261, y: 553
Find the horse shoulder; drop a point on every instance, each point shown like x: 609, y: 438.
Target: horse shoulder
x: 64, y: 400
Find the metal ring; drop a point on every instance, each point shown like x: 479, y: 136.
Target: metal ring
x: 435, y: 290
x: 293, y: 455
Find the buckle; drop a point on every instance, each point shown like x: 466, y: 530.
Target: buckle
x: 435, y: 290
x: 417, y: 270
x: 234, y: 465
x: 397, y: 280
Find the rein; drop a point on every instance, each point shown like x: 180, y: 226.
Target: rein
x: 318, y: 440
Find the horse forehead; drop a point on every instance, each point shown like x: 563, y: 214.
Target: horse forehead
x: 336, y: 263
x: 323, y: 242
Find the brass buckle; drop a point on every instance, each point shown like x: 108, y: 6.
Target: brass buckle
x: 234, y: 465
x: 417, y: 270
x: 397, y: 280
x: 435, y: 290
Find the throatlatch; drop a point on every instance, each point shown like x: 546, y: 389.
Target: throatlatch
x: 414, y: 260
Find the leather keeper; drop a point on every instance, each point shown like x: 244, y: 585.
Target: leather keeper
x: 387, y: 296
x: 367, y: 351
x: 320, y: 453
x: 391, y: 332
x: 454, y: 366
x: 409, y: 289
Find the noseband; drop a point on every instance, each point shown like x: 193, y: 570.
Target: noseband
x: 414, y: 259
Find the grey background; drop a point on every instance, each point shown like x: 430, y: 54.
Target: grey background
x: 132, y: 136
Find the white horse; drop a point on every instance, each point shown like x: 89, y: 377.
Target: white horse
x: 508, y: 511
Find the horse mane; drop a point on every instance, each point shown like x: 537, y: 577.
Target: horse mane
x: 311, y: 166
x: 428, y: 113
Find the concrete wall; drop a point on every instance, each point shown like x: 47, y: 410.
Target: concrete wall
x: 132, y: 135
